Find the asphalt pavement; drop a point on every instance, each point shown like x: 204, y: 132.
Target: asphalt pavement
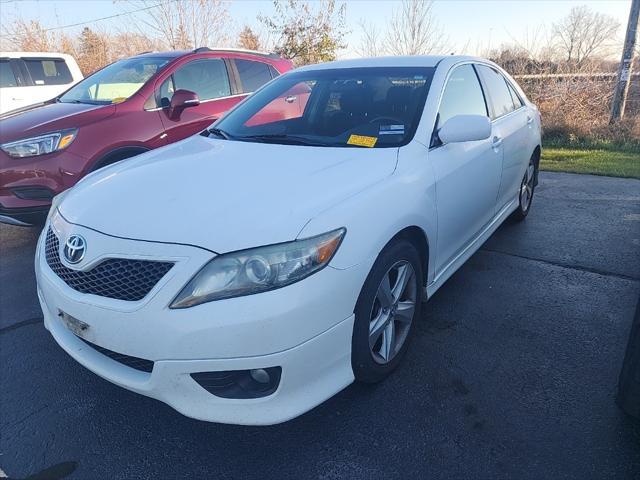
x: 512, y: 373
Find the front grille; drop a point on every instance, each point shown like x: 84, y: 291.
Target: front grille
x: 133, y: 362
x: 119, y: 278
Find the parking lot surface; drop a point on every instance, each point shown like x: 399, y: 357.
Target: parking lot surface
x: 511, y: 374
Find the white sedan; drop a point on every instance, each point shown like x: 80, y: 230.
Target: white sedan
x: 249, y: 273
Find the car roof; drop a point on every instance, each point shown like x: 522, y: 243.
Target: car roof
x: 398, y: 61
x: 34, y: 54
x: 181, y: 53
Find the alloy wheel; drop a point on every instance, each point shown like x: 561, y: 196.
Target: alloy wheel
x: 392, y: 312
x: 526, y: 190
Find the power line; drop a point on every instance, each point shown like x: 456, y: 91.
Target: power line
x: 93, y: 20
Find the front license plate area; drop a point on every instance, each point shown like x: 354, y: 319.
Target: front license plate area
x: 76, y: 326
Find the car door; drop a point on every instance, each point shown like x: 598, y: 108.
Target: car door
x: 209, y: 79
x: 511, y: 125
x: 467, y: 173
x: 10, y: 89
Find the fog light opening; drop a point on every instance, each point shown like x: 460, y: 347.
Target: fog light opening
x: 240, y: 384
x: 260, y: 375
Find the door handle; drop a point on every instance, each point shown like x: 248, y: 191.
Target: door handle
x: 529, y: 119
x: 496, y: 142
x: 290, y: 99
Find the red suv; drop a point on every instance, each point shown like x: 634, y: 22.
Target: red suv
x: 127, y: 108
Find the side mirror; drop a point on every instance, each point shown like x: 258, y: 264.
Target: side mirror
x: 465, y: 128
x: 182, y: 99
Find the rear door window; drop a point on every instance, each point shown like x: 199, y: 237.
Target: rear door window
x: 48, y: 71
x: 7, y: 77
x: 499, y: 95
x: 207, y: 78
x: 517, y: 101
x: 252, y: 74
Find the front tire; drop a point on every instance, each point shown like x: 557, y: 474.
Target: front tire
x: 525, y: 195
x: 387, y: 308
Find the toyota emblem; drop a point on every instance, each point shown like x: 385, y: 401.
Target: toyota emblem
x: 74, y: 249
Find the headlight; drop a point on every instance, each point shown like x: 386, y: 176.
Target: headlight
x: 259, y: 269
x: 40, y: 145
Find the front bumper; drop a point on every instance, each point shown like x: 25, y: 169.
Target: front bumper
x: 27, y: 185
x: 23, y: 217
x: 304, y: 328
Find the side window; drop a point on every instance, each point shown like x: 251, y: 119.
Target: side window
x: 207, y: 78
x: 462, y: 95
x: 499, y: 94
x: 517, y: 101
x: 7, y: 78
x: 252, y: 74
x: 274, y: 73
x: 48, y: 71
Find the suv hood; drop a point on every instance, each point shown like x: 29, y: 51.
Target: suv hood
x: 48, y: 117
x: 222, y: 195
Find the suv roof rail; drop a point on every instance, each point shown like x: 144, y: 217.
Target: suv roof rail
x: 236, y: 50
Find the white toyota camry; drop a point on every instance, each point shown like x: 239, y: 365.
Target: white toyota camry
x: 247, y: 274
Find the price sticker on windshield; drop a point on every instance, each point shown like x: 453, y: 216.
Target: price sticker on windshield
x: 362, y: 141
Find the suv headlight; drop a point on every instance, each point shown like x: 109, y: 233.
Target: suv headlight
x: 259, y: 269
x: 40, y: 145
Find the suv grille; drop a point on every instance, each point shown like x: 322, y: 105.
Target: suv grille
x: 119, y: 278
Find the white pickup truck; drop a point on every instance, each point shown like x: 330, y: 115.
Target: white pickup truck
x: 31, y: 77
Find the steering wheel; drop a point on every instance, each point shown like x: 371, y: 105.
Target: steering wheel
x: 392, y: 120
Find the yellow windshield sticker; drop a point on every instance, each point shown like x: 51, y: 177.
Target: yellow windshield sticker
x: 118, y: 100
x: 362, y: 141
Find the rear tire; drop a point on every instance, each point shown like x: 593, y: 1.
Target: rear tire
x: 525, y: 195
x: 386, y: 311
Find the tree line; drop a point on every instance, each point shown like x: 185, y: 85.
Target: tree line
x: 315, y: 31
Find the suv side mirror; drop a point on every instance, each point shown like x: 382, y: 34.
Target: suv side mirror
x: 182, y: 99
x: 465, y: 128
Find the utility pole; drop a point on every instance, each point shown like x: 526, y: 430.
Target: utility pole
x: 624, y: 72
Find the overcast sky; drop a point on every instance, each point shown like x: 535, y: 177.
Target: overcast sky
x: 476, y: 24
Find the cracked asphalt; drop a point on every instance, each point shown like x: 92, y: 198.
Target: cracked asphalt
x: 511, y: 374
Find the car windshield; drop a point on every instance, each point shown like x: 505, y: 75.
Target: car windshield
x: 348, y: 107
x: 116, y: 82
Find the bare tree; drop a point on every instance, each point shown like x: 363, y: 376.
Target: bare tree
x: 32, y: 36
x: 370, y: 40
x: 584, y: 34
x: 248, y: 39
x: 307, y: 32
x: 182, y: 25
x: 414, y: 30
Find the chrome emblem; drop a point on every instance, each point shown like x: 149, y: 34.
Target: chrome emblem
x: 74, y: 249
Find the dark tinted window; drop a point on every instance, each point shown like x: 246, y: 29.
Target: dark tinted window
x: 252, y: 74
x: 207, y: 78
x: 7, y: 78
x: 499, y: 94
x: 347, y: 107
x: 274, y: 73
x: 48, y: 71
x: 462, y: 95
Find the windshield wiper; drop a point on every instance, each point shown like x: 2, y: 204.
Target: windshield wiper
x: 282, y: 138
x: 218, y: 133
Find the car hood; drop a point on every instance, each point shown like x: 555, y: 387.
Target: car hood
x: 47, y: 117
x: 222, y: 195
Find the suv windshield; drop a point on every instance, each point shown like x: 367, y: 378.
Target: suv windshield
x: 116, y: 82
x: 360, y: 107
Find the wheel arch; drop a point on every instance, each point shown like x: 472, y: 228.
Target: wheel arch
x: 417, y: 236
x: 116, y: 155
